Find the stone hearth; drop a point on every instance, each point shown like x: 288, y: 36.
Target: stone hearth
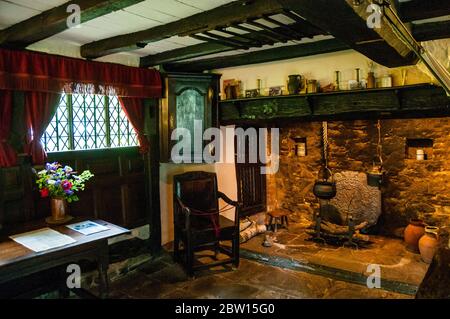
x: 401, y: 271
x: 412, y: 188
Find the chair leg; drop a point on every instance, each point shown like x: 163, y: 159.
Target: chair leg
x: 270, y: 223
x: 216, y: 250
x: 235, y: 250
x: 189, y: 259
x: 176, y: 247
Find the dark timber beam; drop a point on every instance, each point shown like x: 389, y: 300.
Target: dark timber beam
x: 431, y: 31
x: 263, y: 33
x: 279, y: 36
x: 203, y: 49
x: 285, y: 27
x: 234, y: 41
x: 217, y: 41
x: 234, y: 12
x: 53, y: 21
x: 423, y: 9
x: 239, y: 36
x: 348, y: 22
x: 275, y: 54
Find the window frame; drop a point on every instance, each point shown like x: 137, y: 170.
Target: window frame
x: 69, y: 105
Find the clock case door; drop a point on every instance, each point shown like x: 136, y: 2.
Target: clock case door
x: 183, y: 93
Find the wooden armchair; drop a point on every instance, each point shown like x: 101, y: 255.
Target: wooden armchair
x: 198, y: 224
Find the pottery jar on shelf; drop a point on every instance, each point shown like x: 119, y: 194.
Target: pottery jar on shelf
x: 294, y: 83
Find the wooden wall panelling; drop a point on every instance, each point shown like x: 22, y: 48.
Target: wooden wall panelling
x: 153, y: 130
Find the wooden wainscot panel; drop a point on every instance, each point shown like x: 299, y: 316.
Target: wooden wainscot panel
x: 16, y: 203
x: 117, y: 191
x: 137, y: 204
x: 106, y: 166
x: 134, y: 165
x: 365, y: 101
x: 110, y: 204
x: 12, y: 196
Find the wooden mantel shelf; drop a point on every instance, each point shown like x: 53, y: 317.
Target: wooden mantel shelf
x: 404, y: 101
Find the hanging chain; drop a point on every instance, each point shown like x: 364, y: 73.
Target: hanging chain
x: 379, y: 145
x: 325, y: 143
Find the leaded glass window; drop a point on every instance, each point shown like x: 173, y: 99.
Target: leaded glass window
x: 88, y: 121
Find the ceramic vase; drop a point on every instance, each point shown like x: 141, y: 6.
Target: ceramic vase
x: 370, y: 80
x: 294, y: 83
x: 413, y: 232
x: 59, y: 209
x: 428, y: 243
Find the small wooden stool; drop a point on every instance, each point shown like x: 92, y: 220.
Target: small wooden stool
x: 278, y: 217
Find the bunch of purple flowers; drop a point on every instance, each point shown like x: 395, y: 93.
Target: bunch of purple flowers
x: 59, y: 181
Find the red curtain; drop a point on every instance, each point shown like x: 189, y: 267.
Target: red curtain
x: 134, y: 109
x: 39, y: 110
x: 7, y: 153
x: 32, y: 71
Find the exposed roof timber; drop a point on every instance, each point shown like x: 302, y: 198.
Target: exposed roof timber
x: 421, y: 9
x: 244, y: 44
x: 230, y: 13
x: 218, y: 41
x: 203, y: 49
x: 431, y: 31
x: 53, y: 21
x: 280, y: 53
x: 264, y: 33
x: 421, y: 32
x: 241, y: 36
x: 278, y: 36
x: 285, y: 27
x: 348, y: 23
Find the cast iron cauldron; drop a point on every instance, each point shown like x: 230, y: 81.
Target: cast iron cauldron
x: 325, y: 188
x: 375, y: 176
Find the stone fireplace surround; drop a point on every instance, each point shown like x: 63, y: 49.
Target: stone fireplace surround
x: 412, y: 188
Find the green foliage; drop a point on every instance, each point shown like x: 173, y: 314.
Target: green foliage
x: 61, y: 182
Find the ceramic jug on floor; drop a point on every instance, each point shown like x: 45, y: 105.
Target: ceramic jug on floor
x: 413, y: 232
x: 428, y: 243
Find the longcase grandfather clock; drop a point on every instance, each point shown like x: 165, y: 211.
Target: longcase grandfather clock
x: 189, y: 99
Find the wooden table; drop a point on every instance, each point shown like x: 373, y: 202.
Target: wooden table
x: 17, y: 261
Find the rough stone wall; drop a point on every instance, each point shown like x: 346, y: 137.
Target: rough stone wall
x: 412, y: 188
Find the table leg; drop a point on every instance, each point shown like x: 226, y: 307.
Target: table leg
x: 103, y: 264
x: 63, y: 290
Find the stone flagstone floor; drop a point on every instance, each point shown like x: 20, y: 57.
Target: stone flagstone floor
x: 161, y: 278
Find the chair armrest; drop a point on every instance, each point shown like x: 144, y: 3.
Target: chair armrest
x: 183, y: 207
x: 229, y: 201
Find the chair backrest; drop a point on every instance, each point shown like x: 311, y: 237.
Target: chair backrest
x: 197, y: 190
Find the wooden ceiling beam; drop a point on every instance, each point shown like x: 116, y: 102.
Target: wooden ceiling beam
x: 234, y: 12
x: 348, y: 22
x: 232, y: 40
x: 217, y: 41
x: 431, y: 31
x: 286, y: 27
x: 280, y: 36
x: 423, y: 9
x: 263, y: 33
x: 269, y: 55
x: 207, y: 48
x: 302, y: 25
x: 240, y: 36
x: 53, y: 21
